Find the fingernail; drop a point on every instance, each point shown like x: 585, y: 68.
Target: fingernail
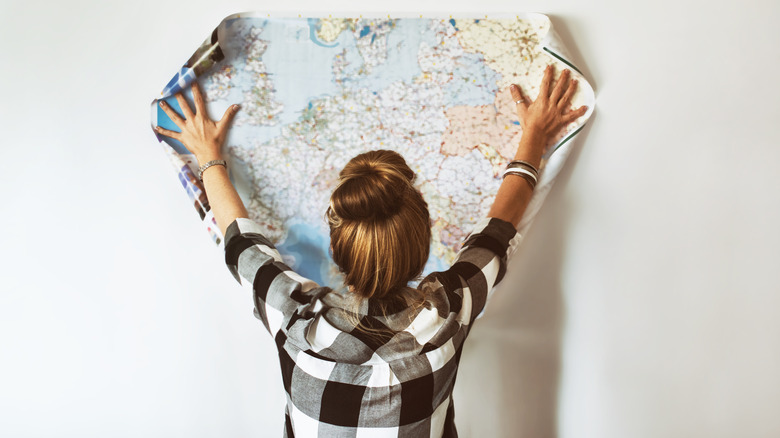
x: 162, y: 103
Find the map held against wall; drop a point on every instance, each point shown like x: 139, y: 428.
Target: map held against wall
x: 315, y: 92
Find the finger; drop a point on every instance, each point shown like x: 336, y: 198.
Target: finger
x: 560, y: 87
x: 173, y: 115
x: 564, y: 102
x: 544, y: 89
x: 521, y: 103
x: 185, y: 107
x: 168, y: 133
x: 228, y: 116
x: 200, y: 105
x: 574, y: 115
x: 518, y: 97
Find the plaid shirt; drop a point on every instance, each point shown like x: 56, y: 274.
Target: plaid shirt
x: 342, y: 382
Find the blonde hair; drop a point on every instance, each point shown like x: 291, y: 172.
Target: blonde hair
x: 380, y: 227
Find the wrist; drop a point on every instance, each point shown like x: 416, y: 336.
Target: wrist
x: 531, y: 147
x: 535, y: 133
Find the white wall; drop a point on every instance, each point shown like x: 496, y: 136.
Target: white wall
x: 643, y: 304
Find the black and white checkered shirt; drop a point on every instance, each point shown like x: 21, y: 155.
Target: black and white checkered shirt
x: 341, y: 382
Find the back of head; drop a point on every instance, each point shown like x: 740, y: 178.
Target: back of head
x: 379, y: 224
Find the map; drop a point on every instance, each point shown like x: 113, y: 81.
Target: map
x: 315, y: 92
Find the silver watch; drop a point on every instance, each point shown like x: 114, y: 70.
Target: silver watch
x: 209, y: 164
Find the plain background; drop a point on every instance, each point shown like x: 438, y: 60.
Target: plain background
x: 644, y: 302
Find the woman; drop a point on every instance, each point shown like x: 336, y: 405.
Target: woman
x: 380, y: 359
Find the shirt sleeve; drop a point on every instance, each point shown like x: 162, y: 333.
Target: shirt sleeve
x: 279, y: 292
x: 479, y: 266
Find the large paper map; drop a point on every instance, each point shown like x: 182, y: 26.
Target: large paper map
x: 315, y: 92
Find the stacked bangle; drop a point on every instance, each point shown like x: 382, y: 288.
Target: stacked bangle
x: 523, y: 169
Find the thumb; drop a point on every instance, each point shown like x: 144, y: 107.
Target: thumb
x: 229, y: 114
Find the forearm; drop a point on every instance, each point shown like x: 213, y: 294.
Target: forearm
x: 515, y: 192
x: 223, y: 198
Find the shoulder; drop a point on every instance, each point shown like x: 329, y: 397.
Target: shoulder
x: 478, y: 267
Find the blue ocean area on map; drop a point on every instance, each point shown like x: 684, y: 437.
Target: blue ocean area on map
x: 311, y: 250
x: 401, y: 63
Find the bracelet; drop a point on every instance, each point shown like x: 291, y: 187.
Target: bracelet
x: 520, y: 171
x: 521, y: 162
x: 528, y: 176
x: 524, y: 164
x: 209, y: 164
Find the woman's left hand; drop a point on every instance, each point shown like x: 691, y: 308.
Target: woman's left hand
x: 199, y: 134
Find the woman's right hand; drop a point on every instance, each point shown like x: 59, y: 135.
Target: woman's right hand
x: 541, y: 120
x: 551, y: 110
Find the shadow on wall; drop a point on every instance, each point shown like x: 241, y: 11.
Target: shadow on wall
x: 572, y: 23
x: 510, y: 368
x: 509, y: 377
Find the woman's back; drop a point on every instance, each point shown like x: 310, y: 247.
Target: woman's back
x: 369, y: 370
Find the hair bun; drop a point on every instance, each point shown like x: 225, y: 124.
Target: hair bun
x: 380, y: 229
x: 373, y: 186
